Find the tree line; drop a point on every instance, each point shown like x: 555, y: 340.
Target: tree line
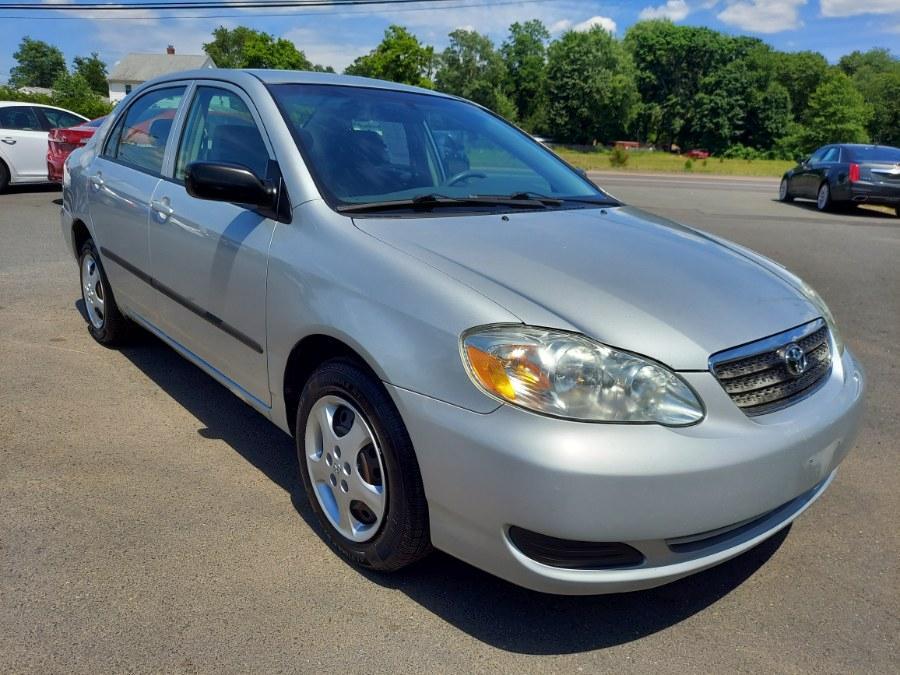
x: 661, y: 84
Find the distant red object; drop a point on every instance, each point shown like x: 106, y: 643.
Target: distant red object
x: 698, y: 154
x: 61, y: 142
x: 627, y: 145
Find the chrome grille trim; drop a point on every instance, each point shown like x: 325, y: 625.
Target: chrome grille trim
x: 755, y: 375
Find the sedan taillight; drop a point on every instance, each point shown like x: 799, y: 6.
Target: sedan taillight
x: 854, y: 172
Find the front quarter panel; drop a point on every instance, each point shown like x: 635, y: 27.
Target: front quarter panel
x: 400, y: 315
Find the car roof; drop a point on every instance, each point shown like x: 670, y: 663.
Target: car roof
x: 7, y: 104
x: 237, y: 76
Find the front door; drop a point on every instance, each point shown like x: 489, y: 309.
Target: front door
x: 210, y: 259
x: 24, y: 143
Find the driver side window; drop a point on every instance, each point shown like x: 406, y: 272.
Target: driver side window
x: 220, y: 128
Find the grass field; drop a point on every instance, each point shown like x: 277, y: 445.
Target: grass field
x: 664, y: 162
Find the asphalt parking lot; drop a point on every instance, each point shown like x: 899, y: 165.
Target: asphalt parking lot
x: 149, y: 521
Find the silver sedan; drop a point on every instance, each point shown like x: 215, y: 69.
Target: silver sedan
x: 475, y: 348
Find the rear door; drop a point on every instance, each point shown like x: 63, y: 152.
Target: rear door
x: 122, y: 179
x: 24, y: 143
x: 210, y: 258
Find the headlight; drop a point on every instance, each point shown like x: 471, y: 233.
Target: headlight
x: 568, y: 375
x: 810, y: 293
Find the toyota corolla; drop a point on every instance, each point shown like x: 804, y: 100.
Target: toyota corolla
x: 475, y: 348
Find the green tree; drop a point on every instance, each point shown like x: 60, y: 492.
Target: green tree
x: 471, y: 68
x: 244, y: 47
x: 73, y: 92
x: 876, y: 74
x: 38, y: 64
x: 837, y: 113
x: 399, y: 57
x: 800, y: 73
x: 93, y: 70
x: 674, y: 64
x: 525, y: 56
x: 591, y: 87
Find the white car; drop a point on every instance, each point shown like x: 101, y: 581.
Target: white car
x: 23, y: 139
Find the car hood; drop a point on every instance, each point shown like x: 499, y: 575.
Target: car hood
x: 619, y: 275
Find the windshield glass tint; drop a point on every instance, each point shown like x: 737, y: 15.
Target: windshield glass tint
x: 885, y: 154
x: 371, y: 146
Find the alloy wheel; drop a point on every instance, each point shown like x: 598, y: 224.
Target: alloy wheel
x: 346, y: 468
x: 823, y: 197
x: 93, y: 292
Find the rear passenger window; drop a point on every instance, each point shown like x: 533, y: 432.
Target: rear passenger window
x: 139, y: 139
x: 20, y: 118
x: 220, y: 128
x: 60, y: 119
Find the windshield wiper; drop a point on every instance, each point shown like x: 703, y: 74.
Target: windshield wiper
x: 559, y: 201
x: 431, y: 201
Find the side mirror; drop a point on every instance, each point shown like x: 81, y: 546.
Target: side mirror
x: 803, y: 160
x: 234, y: 183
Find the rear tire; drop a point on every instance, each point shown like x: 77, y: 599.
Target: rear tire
x: 823, y: 197
x: 784, y: 192
x: 106, y: 324
x: 359, y: 469
x: 897, y: 211
x: 4, y: 176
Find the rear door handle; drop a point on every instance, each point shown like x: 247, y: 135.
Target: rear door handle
x: 9, y: 141
x: 161, y: 208
x: 96, y: 182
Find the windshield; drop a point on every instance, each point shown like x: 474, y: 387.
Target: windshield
x: 373, y: 146
x: 876, y: 154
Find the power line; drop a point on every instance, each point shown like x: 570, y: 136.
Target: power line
x: 476, y: 3
x: 198, y: 4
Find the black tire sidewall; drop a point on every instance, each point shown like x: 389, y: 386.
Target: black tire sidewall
x: 405, y: 522
x: 4, y: 176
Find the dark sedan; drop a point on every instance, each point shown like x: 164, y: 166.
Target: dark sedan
x: 846, y: 174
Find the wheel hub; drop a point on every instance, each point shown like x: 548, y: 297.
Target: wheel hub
x: 345, y: 467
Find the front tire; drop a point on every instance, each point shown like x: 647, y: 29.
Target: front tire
x: 4, y: 176
x: 359, y: 469
x: 823, y: 197
x: 784, y: 193
x: 106, y: 324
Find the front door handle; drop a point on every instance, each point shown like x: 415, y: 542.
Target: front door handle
x: 96, y: 182
x: 9, y: 140
x: 161, y: 208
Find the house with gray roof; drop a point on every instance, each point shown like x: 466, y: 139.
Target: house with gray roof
x: 135, y: 69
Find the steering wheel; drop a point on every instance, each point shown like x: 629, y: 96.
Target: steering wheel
x: 464, y: 175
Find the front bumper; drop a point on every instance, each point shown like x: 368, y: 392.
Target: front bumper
x: 649, y: 486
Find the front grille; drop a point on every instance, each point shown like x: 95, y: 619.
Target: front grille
x: 757, y: 376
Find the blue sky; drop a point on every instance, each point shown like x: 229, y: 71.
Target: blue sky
x: 336, y: 37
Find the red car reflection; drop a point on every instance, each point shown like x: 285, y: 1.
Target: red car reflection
x: 61, y: 142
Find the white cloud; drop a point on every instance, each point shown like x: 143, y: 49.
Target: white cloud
x: 324, y: 48
x: 763, y: 16
x: 676, y: 10
x: 563, y: 25
x: 854, y: 7
x: 604, y: 22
